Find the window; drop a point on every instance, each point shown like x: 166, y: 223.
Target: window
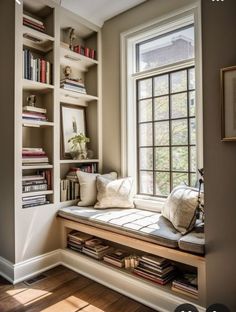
x: 161, y: 104
x: 166, y: 129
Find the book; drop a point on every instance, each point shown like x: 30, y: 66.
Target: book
x: 93, y: 242
x: 184, y: 292
x: 32, y: 19
x: 34, y: 109
x: 154, y: 260
x: 79, y: 236
x: 32, y: 178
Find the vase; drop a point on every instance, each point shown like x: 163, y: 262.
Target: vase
x: 79, y: 152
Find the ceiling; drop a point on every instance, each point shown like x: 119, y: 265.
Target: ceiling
x: 98, y: 11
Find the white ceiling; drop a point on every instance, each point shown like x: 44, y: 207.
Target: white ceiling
x: 98, y: 11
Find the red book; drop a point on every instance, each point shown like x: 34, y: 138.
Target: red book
x: 26, y: 20
x: 33, y: 26
x: 43, y: 71
x: 86, y: 52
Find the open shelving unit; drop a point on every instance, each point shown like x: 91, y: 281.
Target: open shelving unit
x: 46, y: 134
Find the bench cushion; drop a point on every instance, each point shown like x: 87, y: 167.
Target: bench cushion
x: 145, y: 225
x: 194, y: 241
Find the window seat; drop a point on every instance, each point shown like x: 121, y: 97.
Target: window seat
x: 140, y: 224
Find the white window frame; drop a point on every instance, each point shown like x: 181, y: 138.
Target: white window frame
x: 129, y: 39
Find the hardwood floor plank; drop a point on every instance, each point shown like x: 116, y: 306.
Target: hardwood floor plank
x: 64, y: 291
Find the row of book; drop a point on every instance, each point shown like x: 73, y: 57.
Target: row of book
x: 34, y: 156
x: 33, y: 201
x: 88, y: 52
x: 34, y: 113
x: 35, y: 68
x: 41, y: 181
x: 70, y: 185
x: 153, y: 268
x: 73, y: 85
x: 33, y: 23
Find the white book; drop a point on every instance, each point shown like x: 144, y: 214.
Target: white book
x: 33, y: 19
x: 32, y: 178
x: 32, y: 149
x: 35, y: 109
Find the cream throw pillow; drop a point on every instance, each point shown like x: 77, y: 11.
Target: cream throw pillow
x: 180, y: 208
x: 88, y: 188
x: 114, y: 194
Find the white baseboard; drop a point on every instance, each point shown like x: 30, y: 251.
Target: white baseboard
x: 152, y: 296
x: 21, y: 271
x: 7, y: 270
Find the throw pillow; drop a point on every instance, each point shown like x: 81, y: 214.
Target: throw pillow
x: 88, y: 188
x: 180, y: 208
x: 114, y: 194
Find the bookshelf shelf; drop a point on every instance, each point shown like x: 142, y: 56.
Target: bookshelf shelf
x: 76, y: 60
x: 30, y: 85
x: 101, y: 266
x: 36, y: 40
x: 49, y: 192
x: 73, y: 161
x: 36, y: 123
x: 67, y: 96
x: 36, y: 167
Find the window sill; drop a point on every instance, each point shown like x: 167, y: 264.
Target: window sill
x: 149, y: 203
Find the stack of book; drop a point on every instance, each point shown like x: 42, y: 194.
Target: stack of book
x: 33, y: 23
x: 32, y: 201
x: 156, y: 269
x: 36, y: 69
x: 34, y: 156
x: 116, y: 258
x: 186, y: 284
x: 96, y: 248
x: 70, y: 185
x: 76, y: 240
x: 34, y: 183
x: 34, y: 113
x: 73, y: 85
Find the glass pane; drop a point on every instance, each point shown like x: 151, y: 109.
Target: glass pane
x: 179, y: 132
x: 161, y: 133
x: 193, y: 179
x: 193, y: 159
x: 192, y: 125
x: 146, y: 182
x: 180, y: 158
x: 192, y: 105
x: 145, y: 134
x: 161, y: 84
x: 162, y: 158
x: 179, y: 105
x: 179, y: 178
x: 162, y: 183
x: 161, y: 108
x: 145, y: 110
x: 178, y: 81
x: 146, y: 158
x: 145, y: 88
x: 170, y: 48
x: 191, y: 78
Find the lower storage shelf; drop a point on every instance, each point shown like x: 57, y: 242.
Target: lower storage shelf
x: 125, y: 282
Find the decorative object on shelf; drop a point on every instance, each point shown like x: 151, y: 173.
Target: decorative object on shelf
x: 31, y: 100
x: 72, y: 124
x: 72, y: 37
x: 67, y: 72
x: 228, y: 104
x: 78, y: 146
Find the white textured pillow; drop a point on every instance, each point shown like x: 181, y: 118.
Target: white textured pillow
x: 88, y: 188
x: 180, y: 208
x: 114, y: 194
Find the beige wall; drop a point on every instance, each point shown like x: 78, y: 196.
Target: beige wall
x: 7, y: 13
x: 111, y: 31
x: 219, y: 50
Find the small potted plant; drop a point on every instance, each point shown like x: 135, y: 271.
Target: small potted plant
x: 78, y: 146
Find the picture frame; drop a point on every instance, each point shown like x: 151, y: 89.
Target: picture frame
x: 228, y: 103
x: 73, y: 122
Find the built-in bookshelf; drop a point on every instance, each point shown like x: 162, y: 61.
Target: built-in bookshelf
x: 45, y: 44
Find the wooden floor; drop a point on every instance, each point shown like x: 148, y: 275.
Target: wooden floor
x: 64, y: 291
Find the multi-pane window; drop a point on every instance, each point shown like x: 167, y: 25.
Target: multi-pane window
x: 166, y: 124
